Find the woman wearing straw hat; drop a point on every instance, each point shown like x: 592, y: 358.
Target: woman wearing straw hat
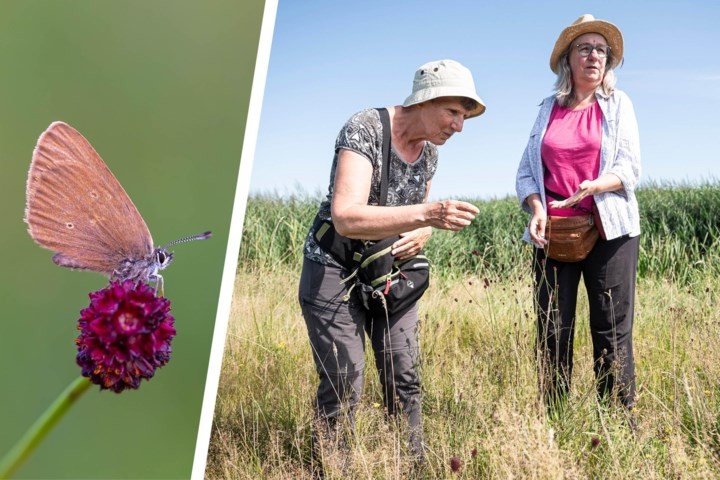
x: 443, y: 97
x: 583, y: 157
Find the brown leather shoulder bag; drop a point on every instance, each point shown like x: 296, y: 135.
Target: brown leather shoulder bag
x: 570, y: 239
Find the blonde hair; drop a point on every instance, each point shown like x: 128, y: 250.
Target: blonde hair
x: 564, y: 89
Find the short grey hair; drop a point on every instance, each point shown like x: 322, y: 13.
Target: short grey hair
x: 564, y: 89
x: 469, y: 104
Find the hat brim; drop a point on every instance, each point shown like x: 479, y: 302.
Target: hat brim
x: 606, y: 29
x: 427, y: 94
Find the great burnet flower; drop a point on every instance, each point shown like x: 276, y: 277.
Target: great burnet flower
x: 455, y: 464
x: 125, y: 335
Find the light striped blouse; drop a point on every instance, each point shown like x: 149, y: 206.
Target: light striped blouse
x: 619, y: 154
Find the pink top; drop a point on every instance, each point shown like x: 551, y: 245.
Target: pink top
x: 571, y: 154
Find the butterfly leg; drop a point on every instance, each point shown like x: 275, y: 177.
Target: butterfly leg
x: 159, y: 284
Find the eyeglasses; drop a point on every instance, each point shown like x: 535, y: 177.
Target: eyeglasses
x: 584, y: 49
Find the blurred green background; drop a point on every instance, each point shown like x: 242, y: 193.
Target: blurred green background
x: 160, y: 89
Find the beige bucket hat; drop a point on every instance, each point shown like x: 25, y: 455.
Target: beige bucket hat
x: 444, y: 78
x: 587, y: 24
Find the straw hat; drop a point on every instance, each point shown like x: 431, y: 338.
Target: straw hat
x: 587, y: 24
x: 444, y: 78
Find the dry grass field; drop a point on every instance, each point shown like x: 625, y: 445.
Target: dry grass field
x: 480, y: 405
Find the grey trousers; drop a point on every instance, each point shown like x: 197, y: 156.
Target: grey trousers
x: 337, y: 331
x: 609, y: 273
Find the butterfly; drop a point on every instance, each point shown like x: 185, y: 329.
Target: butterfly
x: 78, y: 209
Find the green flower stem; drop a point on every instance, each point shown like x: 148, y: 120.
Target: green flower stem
x: 42, y: 426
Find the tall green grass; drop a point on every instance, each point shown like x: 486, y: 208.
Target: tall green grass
x: 680, y: 235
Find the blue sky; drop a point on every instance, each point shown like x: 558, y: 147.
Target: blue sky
x: 330, y: 59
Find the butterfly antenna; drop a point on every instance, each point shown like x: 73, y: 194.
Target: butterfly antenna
x: 190, y: 238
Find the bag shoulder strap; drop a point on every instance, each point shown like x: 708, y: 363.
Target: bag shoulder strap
x: 385, y: 174
x: 556, y: 196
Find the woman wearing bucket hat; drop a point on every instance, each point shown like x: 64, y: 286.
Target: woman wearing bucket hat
x: 442, y: 98
x: 583, y: 161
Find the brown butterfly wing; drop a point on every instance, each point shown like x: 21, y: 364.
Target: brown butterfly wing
x: 78, y: 209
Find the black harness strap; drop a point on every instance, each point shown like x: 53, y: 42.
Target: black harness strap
x: 385, y: 174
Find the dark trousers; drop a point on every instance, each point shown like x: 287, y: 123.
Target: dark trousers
x: 609, y: 273
x: 337, y: 331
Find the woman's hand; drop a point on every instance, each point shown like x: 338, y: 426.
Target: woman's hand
x: 411, y: 242
x: 451, y: 214
x: 585, y: 189
x: 538, y: 222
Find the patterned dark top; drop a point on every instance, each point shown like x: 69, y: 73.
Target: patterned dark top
x: 362, y: 134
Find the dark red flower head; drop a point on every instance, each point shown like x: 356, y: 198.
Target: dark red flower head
x: 125, y: 335
x: 455, y: 464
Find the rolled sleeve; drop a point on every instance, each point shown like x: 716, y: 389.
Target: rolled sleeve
x: 621, y: 156
x: 528, y: 179
x: 525, y: 184
x: 626, y: 165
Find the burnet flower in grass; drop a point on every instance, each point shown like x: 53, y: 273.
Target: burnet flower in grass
x: 125, y: 335
x: 455, y: 464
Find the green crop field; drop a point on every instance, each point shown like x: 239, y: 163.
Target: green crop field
x: 480, y: 399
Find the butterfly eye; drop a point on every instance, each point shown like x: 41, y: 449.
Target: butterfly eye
x: 161, y: 257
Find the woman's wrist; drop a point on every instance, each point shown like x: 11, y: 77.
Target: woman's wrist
x: 535, y: 203
x: 429, y: 213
